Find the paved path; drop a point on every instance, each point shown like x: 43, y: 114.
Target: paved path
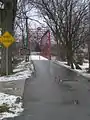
x: 45, y: 99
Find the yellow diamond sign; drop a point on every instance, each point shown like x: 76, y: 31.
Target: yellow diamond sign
x: 7, y: 39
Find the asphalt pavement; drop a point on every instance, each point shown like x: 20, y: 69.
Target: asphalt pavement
x: 46, y: 99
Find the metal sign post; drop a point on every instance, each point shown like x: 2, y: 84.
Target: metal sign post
x: 7, y: 61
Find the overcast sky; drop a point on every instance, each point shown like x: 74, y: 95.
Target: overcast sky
x: 33, y: 14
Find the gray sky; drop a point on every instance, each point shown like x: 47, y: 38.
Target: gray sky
x: 33, y: 14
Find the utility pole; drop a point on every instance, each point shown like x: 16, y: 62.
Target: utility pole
x: 27, y: 31
x: 27, y: 47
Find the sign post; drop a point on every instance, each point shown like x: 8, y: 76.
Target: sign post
x: 7, y: 39
x: 27, y: 56
x: 7, y: 61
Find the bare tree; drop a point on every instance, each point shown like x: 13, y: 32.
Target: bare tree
x: 23, y: 11
x: 67, y: 20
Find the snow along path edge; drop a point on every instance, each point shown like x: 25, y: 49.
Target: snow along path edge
x: 15, y: 109
x: 86, y: 75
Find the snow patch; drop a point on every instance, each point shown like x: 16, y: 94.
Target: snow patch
x: 38, y: 57
x: 83, y: 72
x: 22, y: 71
x: 10, y: 101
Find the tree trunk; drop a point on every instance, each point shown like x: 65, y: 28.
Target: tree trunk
x: 70, y: 58
x: 69, y: 54
x: 57, y: 49
x: 89, y: 62
x: 7, y: 25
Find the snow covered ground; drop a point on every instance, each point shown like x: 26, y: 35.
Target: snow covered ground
x: 14, y: 108
x: 37, y: 57
x: 84, y: 67
x: 22, y: 71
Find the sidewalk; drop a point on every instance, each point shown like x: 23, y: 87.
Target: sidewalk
x: 12, y: 89
x: 45, y: 99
